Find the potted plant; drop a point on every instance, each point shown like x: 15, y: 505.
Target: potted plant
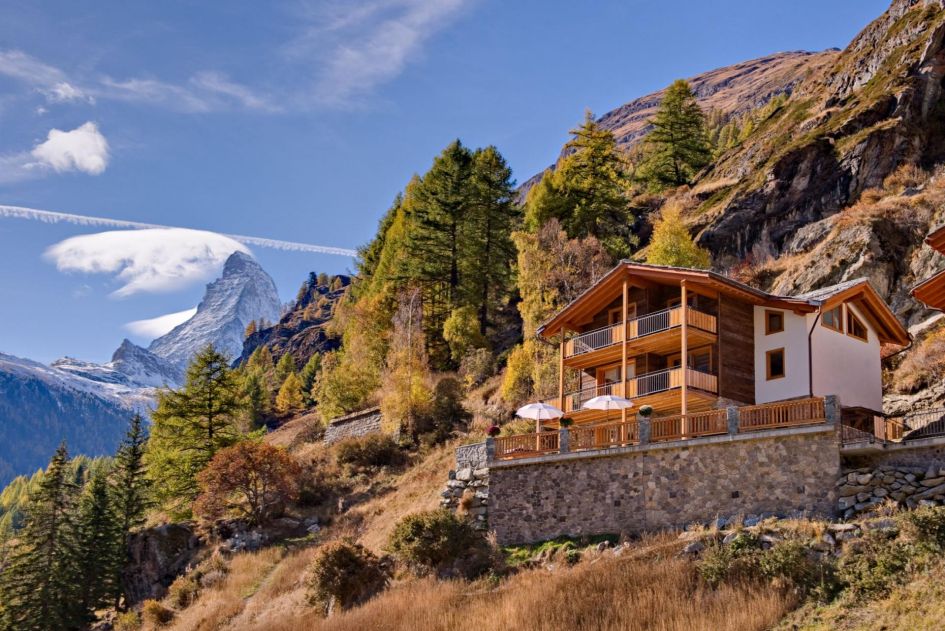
x: 646, y: 411
x: 493, y: 431
x: 566, y: 422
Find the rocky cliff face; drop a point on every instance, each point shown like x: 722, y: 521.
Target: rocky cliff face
x: 301, y: 331
x: 244, y: 293
x: 730, y: 90
x: 846, y: 128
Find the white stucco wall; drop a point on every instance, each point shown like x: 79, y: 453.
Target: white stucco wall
x: 793, y: 340
x: 848, y: 367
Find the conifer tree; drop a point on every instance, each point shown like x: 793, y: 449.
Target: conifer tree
x: 587, y: 191
x: 100, y: 550
x: 189, y: 426
x: 38, y: 585
x: 289, y: 399
x: 284, y: 368
x: 250, y: 329
x: 677, y: 147
x: 256, y: 395
x: 308, y: 375
x: 130, y: 491
x: 671, y: 243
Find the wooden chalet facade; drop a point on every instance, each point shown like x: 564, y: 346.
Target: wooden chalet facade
x: 688, y: 342
x: 932, y: 290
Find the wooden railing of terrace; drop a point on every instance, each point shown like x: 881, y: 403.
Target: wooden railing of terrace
x: 691, y: 425
x: 604, y: 435
x: 526, y: 445
x: 781, y: 414
x: 637, y: 328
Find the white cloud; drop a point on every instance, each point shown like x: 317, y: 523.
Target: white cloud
x: 82, y: 149
x: 218, y: 84
x: 370, y: 43
x: 150, y: 260
x: 50, y: 81
x: 156, y: 327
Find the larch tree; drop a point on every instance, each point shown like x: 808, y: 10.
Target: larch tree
x: 671, y: 243
x: 289, y: 400
x: 588, y: 191
x: 308, y: 375
x: 284, y: 368
x: 677, y: 146
x: 38, y: 584
x: 189, y: 426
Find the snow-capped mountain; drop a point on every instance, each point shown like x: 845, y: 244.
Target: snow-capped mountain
x: 88, y: 404
x: 245, y: 292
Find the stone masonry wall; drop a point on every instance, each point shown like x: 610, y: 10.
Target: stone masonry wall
x: 778, y: 473
x: 468, y: 485
x: 354, y: 425
x: 909, y: 474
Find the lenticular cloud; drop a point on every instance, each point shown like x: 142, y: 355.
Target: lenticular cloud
x: 151, y: 260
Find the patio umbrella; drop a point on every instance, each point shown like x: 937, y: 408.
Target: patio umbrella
x: 540, y: 412
x: 607, y: 402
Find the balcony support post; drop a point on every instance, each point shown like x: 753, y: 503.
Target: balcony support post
x: 623, y: 348
x: 564, y: 334
x: 684, y: 356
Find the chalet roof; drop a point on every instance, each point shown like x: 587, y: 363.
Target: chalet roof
x: 936, y: 239
x: 825, y: 293
x: 860, y: 290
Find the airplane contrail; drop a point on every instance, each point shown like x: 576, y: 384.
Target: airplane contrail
x: 48, y: 216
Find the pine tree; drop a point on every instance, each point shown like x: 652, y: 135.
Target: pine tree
x: 587, y: 191
x: 250, y: 329
x: 671, y: 243
x: 677, y: 147
x: 308, y: 375
x: 38, y: 585
x: 130, y: 491
x: 189, y: 426
x: 289, y: 400
x: 100, y: 548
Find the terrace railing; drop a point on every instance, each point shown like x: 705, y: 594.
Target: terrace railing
x: 526, y: 445
x: 781, y: 414
x: 604, y: 435
x: 639, y: 327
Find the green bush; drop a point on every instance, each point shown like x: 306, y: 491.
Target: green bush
x: 438, y: 542
x: 373, y: 450
x: 156, y: 614
x: 127, y: 621
x: 477, y: 366
x: 875, y: 566
x: 737, y: 561
x: 926, y: 526
x: 343, y: 575
x: 183, y: 591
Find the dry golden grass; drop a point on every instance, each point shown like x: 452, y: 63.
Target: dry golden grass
x: 216, y: 606
x: 608, y: 594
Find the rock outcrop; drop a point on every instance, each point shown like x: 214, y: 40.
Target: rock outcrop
x: 158, y: 556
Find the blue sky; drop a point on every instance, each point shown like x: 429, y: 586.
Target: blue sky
x: 299, y: 121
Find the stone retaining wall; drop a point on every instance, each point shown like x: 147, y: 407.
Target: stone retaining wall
x: 651, y: 487
x: 354, y: 425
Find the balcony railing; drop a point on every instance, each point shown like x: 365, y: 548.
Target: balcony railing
x: 753, y: 418
x: 637, y: 328
x: 641, y: 386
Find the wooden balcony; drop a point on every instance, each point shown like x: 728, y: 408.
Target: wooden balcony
x: 658, y: 389
x: 657, y: 332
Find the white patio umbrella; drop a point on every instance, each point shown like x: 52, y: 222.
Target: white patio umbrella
x: 607, y: 402
x: 540, y: 412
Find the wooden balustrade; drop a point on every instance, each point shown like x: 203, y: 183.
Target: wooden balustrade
x: 639, y: 327
x: 702, y: 380
x: 781, y: 414
x: 604, y: 435
x: 526, y: 445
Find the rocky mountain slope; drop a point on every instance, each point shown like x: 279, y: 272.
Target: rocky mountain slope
x: 301, y: 331
x: 244, y: 293
x: 729, y: 90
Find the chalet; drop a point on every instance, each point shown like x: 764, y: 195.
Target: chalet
x: 687, y: 341
x: 932, y: 290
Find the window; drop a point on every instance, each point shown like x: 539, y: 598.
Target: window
x: 774, y: 321
x: 699, y: 359
x: 774, y: 360
x: 833, y: 319
x: 614, y: 315
x: 855, y: 327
